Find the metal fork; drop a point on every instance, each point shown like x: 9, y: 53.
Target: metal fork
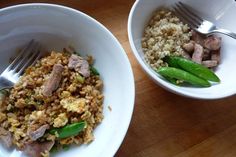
x: 28, y: 56
x: 197, y: 23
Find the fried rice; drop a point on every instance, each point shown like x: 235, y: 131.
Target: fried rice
x: 25, y: 109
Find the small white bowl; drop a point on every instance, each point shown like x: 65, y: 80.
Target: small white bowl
x: 217, y: 11
x: 56, y: 27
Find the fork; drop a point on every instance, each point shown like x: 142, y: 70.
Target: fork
x: 197, y: 23
x: 27, y: 56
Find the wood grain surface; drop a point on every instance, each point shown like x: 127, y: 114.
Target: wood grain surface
x: 163, y: 124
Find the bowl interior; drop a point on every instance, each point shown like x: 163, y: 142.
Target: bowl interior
x: 56, y: 27
x: 217, y: 11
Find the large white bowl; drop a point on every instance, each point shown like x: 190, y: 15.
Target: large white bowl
x: 218, y: 11
x: 56, y: 27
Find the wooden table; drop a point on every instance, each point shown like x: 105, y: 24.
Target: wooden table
x: 163, y: 124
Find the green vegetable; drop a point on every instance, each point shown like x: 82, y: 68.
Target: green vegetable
x: 183, y: 75
x: 4, y: 92
x: 192, y: 67
x: 80, y: 78
x: 66, y: 147
x: 171, y: 80
x: 69, y: 130
x: 94, y: 70
x: 172, y: 61
x: 54, y: 149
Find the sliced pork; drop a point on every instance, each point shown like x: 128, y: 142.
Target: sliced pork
x: 198, y: 53
x: 203, y: 50
x: 186, y: 55
x: 34, y: 135
x: 54, y: 80
x: 210, y: 63
x: 35, y: 149
x: 79, y: 64
x: 206, y: 54
x: 189, y: 47
x: 6, y: 137
x: 212, y: 42
x: 215, y: 55
x: 197, y: 38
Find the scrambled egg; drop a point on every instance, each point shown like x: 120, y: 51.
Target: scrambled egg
x: 60, y: 121
x: 2, y: 117
x: 74, y: 105
x: 36, y: 115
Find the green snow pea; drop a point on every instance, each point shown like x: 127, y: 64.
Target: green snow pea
x: 192, y: 67
x: 179, y: 74
x: 93, y: 70
x: 69, y: 130
x: 172, y: 80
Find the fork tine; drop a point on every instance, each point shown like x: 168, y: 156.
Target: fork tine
x: 186, y: 15
x: 184, y: 19
x: 27, y: 53
x: 17, y: 59
x: 36, y: 58
x: 33, y: 58
x: 196, y: 17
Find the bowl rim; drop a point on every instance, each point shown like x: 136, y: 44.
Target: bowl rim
x: 117, y: 143
x: 164, y: 84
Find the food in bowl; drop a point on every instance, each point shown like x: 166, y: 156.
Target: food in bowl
x: 163, y: 36
x: 181, y: 70
x: 57, y: 102
x: 167, y: 36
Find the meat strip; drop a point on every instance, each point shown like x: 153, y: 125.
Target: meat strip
x: 79, y: 64
x: 189, y: 47
x: 186, y: 55
x: 212, y: 42
x: 198, y: 53
x: 34, y: 135
x: 36, y: 148
x: 215, y: 55
x: 54, y: 80
x: 6, y: 137
x: 210, y: 63
x: 197, y: 38
x: 206, y: 54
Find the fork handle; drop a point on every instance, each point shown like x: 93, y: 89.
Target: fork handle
x: 226, y: 32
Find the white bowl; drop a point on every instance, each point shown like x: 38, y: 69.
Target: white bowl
x: 56, y: 27
x: 220, y: 12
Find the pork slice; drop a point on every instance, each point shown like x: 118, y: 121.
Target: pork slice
x: 209, y: 63
x: 6, y: 137
x: 215, y: 55
x: 206, y: 54
x: 79, y: 64
x: 197, y: 38
x: 198, y: 53
x: 189, y: 47
x: 212, y: 42
x: 36, y: 148
x: 34, y: 135
x: 53, y: 81
x: 186, y: 55
x: 74, y: 60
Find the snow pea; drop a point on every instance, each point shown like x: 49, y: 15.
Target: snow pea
x: 192, y: 67
x: 171, y: 80
x: 69, y: 130
x: 93, y: 70
x: 180, y: 74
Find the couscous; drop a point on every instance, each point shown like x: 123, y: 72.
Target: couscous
x: 164, y: 36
